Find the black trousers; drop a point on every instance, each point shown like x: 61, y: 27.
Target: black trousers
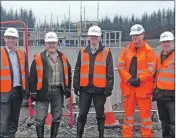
x: 55, y: 99
x: 166, y: 111
x: 85, y: 103
x: 10, y: 112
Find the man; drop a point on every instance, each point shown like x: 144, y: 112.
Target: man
x: 164, y: 91
x: 14, y: 83
x: 93, y: 79
x: 50, y: 77
x: 137, y: 63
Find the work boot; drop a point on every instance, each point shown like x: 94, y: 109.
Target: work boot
x: 54, y: 129
x: 40, y: 131
x: 101, y: 128
x: 80, y: 129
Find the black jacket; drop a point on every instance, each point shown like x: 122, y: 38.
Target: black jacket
x: 42, y: 94
x: 109, y: 73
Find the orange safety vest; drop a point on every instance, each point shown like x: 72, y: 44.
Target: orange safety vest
x: 39, y: 68
x: 5, y: 75
x: 146, y: 64
x: 165, y: 77
x: 99, y: 77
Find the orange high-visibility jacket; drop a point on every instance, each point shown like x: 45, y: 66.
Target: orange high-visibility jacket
x: 5, y: 73
x: 39, y: 68
x: 165, y: 77
x: 146, y: 65
x: 99, y: 77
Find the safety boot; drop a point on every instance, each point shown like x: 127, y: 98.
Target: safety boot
x: 40, y: 131
x: 80, y: 129
x: 54, y: 129
x: 100, y: 124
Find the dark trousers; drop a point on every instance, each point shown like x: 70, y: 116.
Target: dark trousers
x: 55, y: 99
x: 10, y: 112
x: 166, y: 111
x: 85, y: 103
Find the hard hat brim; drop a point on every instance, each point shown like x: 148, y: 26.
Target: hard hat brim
x: 94, y: 34
x: 166, y: 39
x: 51, y: 40
x: 11, y: 36
x: 136, y: 33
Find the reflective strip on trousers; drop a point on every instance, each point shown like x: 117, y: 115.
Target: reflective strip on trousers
x: 5, y: 78
x: 171, y: 80
x: 99, y: 76
x: 39, y: 68
x: 84, y: 75
x: 146, y: 120
x: 148, y: 126
x: 39, y: 80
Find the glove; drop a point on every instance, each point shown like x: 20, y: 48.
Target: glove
x: 67, y: 93
x: 135, y: 82
x: 107, y: 93
x: 33, y: 96
x: 77, y: 92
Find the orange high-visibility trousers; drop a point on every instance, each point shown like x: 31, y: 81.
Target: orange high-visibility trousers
x: 145, y: 105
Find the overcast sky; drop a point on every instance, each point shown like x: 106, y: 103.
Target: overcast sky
x: 109, y: 8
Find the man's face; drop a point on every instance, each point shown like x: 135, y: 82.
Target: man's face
x: 10, y: 41
x: 50, y: 47
x: 94, y: 40
x: 167, y: 45
x: 137, y: 39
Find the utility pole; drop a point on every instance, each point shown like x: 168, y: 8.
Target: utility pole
x: 69, y: 26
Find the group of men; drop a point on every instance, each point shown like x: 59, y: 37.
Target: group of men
x: 142, y: 75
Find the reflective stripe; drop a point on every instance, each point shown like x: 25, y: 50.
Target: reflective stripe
x: 65, y: 64
x: 5, y: 78
x: 151, y: 69
x: 166, y: 79
x: 84, y: 75
x: 99, y: 76
x: 66, y: 77
x: 127, y: 124
x: 39, y: 80
x: 4, y: 67
x: 151, y: 64
x: 169, y: 71
x: 148, y: 126
x: 85, y: 62
x: 146, y: 120
x: 22, y: 67
x: 129, y: 118
x: 140, y: 71
x: 39, y: 68
x: 23, y: 76
x: 100, y: 63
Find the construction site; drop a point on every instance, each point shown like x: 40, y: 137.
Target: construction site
x: 70, y: 41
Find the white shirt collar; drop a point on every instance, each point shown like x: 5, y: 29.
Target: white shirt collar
x: 8, y: 50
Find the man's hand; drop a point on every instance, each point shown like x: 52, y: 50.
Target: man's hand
x: 34, y: 96
x: 107, y: 93
x: 135, y: 82
x: 77, y: 92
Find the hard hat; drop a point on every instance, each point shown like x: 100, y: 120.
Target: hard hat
x: 51, y: 37
x: 166, y: 36
x: 94, y: 30
x: 11, y: 32
x: 137, y: 29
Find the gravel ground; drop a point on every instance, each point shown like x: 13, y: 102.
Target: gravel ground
x: 90, y: 130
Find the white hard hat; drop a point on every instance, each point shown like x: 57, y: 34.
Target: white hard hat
x: 51, y: 37
x: 11, y: 32
x: 94, y: 30
x: 166, y: 36
x: 137, y: 29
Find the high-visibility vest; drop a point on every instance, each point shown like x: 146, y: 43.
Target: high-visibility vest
x: 99, y: 75
x: 39, y: 69
x: 165, y: 77
x: 5, y: 75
